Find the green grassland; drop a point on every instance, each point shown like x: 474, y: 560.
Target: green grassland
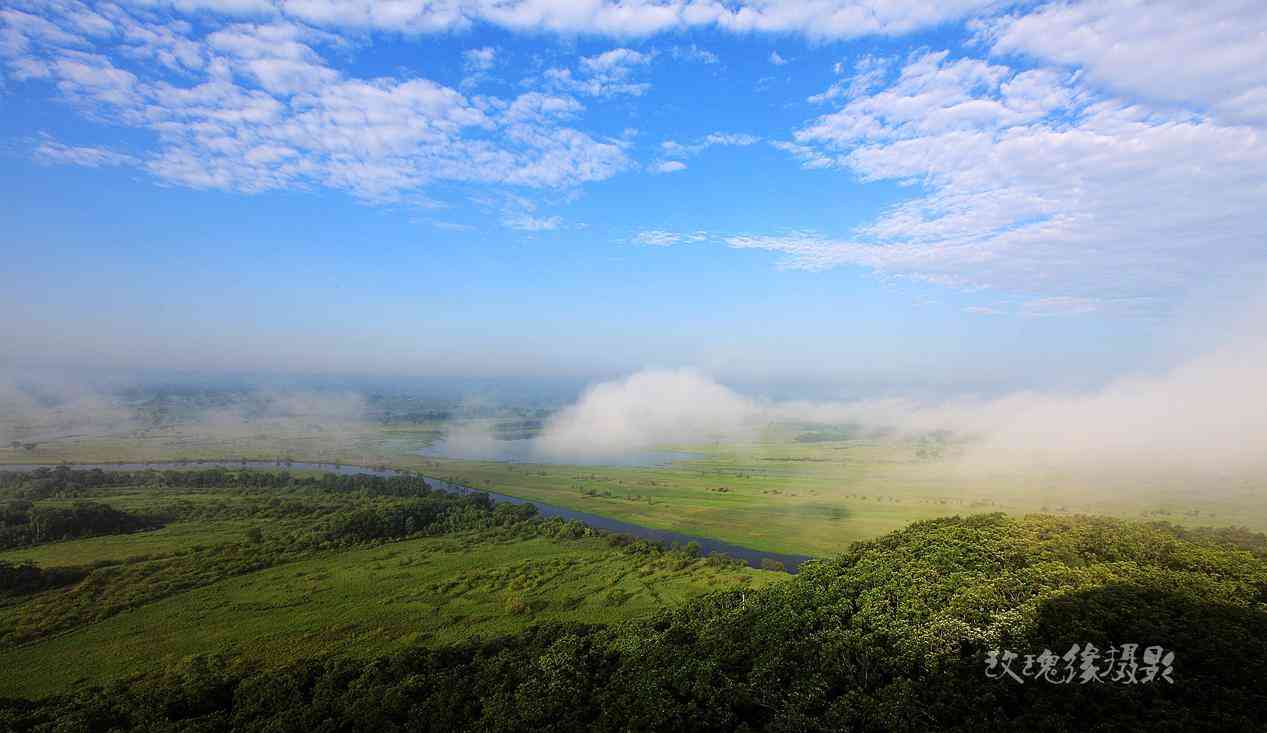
x: 154, y: 543
x: 368, y: 602
x: 793, y: 489
x: 206, y: 587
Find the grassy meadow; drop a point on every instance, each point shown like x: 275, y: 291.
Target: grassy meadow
x: 160, y: 542
x: 162, y: 596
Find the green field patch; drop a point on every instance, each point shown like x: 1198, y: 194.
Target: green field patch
x: 168, y: 540
x: 366, y: 602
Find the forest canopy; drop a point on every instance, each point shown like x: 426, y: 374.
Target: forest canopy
x: 894, y: 634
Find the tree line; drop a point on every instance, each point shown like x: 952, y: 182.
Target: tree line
x: 23, y: 523
x: 64, y: 482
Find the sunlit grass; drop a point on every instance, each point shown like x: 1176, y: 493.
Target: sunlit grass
x: 154, y: 543
x: 367, y: 602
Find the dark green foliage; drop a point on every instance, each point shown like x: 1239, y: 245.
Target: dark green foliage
x: 23, y: 523
x: 66, y: 482
x: 891, y: 635
x: 21, y: 578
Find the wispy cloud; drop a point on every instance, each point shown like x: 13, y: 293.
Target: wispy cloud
x: 868, y: 73
x: 605, y: 75
x: 52, y: 152
x: 674, y: 149
x: 695, y: 53
x: 479, y: 59
x: 257, y: 106
x: 528, y: 223
x: 661, y: 238
x: 1032, y: 181
x: 477, y: 63
x: 668, y: 166
x: 451, y: 226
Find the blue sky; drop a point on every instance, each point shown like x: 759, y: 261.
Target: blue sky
x: 845, y: 194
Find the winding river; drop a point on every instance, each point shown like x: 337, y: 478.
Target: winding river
x: 707, y: 545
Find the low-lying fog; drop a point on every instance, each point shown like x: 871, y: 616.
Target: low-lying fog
x: 1206, y: 416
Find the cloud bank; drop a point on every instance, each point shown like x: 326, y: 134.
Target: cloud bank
x: 1206, y: 417
x: 643, y: 410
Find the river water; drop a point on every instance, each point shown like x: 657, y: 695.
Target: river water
x: 707, y: 545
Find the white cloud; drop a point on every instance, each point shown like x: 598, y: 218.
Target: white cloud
x: 1028, y: 181
x: 275, y: 55
x: 656, y: 238
x: 645, y: 409
x: 731, y: 139
x: 811, y: 158
x: 21, y: 30
x: 1209, y: 54
x: 935, y: 95
x: 776, y: 59
x: 604, y: 75
x: 695, y: 53
x: 668, y: 166
x: 673, y: 152
x: 53, y: 152
x: 451, y: 226
x: 674, y: 149
x: 868, y: 73
x: 253, y: 106
x: 477, y: 63
x: 480, y: 59
x: 617, y: 60
x: 169, y: 44
x: 528, y: 223
x: 814, y: 252
x: 661, y: 238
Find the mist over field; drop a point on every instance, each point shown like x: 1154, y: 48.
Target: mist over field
x: 1205, y: 417
x: 34, y: 409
